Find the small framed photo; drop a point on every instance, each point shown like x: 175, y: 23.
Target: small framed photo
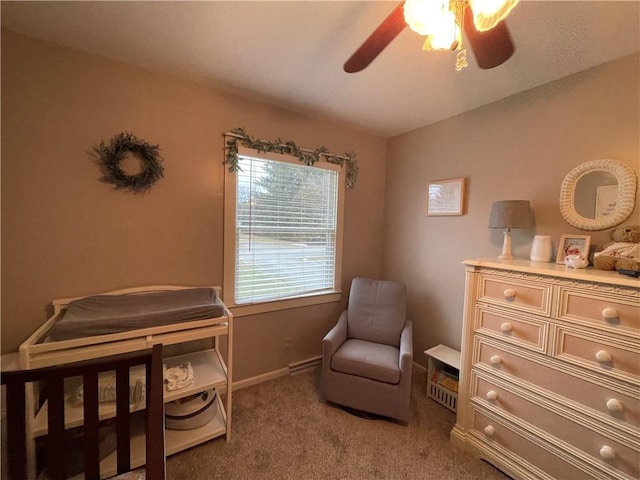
x: 445, y: 197
x: 573, y: 245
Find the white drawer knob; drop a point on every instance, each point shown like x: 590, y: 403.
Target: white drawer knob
x: 603, y: 356
x: 609, y: 313
x: 495, y: 360
x: 489, y: 431
x: 614, y: 405
x: 607, y: 453
x: 506, y: 327
x: 492, y: 395
x: 509, y: 293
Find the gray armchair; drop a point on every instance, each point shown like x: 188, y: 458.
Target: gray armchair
x: 367, y: 356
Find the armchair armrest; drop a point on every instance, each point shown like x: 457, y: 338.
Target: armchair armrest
x: 335, y: 337
x: 406, y: 348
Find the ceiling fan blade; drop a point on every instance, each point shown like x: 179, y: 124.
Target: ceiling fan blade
x: 491, y: 48
x: 377, y: 41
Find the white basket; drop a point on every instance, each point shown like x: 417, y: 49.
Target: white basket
x: 443, y: 396
x: 439, y: 358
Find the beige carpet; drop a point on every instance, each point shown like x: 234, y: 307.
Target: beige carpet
x: 281, y: 430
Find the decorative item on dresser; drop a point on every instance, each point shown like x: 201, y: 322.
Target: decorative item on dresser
x: 573, y: 245
x: 550, y: 372
x: 541, y: 249
x: 509, y: 214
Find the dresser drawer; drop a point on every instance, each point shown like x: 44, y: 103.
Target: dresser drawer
x: 518, y: 294
x: 618, y: 405
x: 492, y: 432
x: 620, y: 315
x: 597, y: 352
x: 511, y: 327
x: 591, y: 441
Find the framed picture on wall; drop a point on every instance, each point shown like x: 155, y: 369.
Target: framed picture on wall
x: 445, y: 197
x: 573, y: 245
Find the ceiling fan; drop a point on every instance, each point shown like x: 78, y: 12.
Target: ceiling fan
x: 442, y: 21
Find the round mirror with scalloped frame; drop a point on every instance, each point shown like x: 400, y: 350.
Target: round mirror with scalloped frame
x: 598, y: 194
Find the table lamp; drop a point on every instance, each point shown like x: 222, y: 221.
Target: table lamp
x: 509, y: 214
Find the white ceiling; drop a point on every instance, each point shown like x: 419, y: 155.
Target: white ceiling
x: 291, y: 53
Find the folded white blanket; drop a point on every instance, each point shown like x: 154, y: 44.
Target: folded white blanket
x: 178, y: 377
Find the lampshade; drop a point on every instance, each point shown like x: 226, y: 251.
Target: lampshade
x: 510, y: 214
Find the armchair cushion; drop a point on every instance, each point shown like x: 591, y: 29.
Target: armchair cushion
x: 369, y: 360
x: 376, y: 311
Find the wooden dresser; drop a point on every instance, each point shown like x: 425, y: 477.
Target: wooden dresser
x: 550, y: 372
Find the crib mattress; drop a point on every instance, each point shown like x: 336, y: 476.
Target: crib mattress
x: 105, y: 314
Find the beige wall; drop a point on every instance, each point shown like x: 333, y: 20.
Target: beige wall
x: 66, y: 234
x: 518, y: 148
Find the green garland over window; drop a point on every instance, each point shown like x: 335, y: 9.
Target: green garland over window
x: 308, y: 157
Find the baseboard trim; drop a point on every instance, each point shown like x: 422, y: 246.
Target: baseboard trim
x: 292, y: 369
x: 265, y: 377
x: 304, y: 365
x: 419, y: 367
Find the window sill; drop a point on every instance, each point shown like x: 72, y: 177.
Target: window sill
x: 276, y: 305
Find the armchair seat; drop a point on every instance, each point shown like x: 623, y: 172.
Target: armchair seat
x: 369, y: 360
x: 367, y: 356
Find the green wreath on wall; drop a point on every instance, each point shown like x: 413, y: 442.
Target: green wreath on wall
x: 110, y: 157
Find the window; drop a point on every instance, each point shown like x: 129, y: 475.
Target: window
x: 283, y: 232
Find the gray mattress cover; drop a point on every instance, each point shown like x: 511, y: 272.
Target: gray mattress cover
x: 103, y: 314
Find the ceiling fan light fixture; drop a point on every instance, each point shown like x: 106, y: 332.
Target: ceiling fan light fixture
x: 438, y: 20
x: 423, y: 16
x: 488, y: 13
x: 445, y: 36
x: 490, y: 49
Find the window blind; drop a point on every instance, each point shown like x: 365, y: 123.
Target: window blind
x: 286, y: 226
